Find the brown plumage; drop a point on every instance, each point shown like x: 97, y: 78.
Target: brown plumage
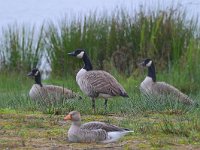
x: 151, y: 87
x: 92, y: 131
x: 101, y: 125
x: 96, y: 83
x: 99, y: 83
x: 48, y: 93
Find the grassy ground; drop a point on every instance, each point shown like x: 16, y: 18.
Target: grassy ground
x: 113, y: 42
x: 33, y: 130
x: 25, y: 124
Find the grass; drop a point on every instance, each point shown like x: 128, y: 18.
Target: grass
x: 114, y: 43
x: 162, y: 125
x: 151, y: 131
x: 21, y: 47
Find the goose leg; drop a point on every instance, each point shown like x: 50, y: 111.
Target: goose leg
x: 93, y: 105
x: 105, y: 104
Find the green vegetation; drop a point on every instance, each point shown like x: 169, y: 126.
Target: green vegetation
x: 157, y: 123
x: 114, y: 43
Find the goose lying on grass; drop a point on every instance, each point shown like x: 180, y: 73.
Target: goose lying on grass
x: 96, y: 83
x: 93, y: 131
x: 50, y: 93
x: 151, y: 87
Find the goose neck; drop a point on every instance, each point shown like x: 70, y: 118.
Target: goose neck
x: 76, y: 123
x: 38, y: 80
x: 152, y: 72
x: 87, y: 63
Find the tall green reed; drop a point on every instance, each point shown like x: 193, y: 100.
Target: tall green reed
x: 22, y: 46
x: 163, y: 35
x: 118, y: 40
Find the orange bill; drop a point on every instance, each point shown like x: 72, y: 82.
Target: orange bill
x: 68, y: 117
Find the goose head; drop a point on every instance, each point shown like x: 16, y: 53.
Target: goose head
x: 146, y: 63
x: 73, y: 116
x: 35, y: 73
x: 79, y: 53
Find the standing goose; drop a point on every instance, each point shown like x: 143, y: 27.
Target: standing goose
x: 151, y: 87
x: 47, y: 92
x: 93, y: 131
x: 96, y: 83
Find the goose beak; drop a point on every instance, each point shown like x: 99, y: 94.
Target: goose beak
x: 30, y: 74
x: 141, y: 64
x: 68, y: 117
x: 72, y: 54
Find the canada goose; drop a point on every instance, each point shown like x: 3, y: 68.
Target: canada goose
x: 49, y: 93
x: 96, y: 83
x: 93, y: 131
x: 151, y: 87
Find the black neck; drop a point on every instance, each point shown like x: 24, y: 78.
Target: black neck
x: 87, y: 63
x: 38, y: 79
x: 152, y: 72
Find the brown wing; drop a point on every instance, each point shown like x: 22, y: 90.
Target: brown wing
x: 101, y: 125
x: 166, y: 89
x: 103, y: 82
x: 85, y: 135
x: 59, y: 91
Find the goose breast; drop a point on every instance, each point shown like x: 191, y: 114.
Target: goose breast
x: 37, y: 92
x: 147, y: 85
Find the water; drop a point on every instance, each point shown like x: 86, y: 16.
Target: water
x: 37, y: 12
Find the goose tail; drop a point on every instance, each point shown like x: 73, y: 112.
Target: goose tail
x: 114, y: 136
x: 124, y: 95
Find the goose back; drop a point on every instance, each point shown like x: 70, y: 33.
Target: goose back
x: 99, y: 84
x: 50, y: 92
x: 101, y: 125
x: 149, y: 87
x: 167, y: 89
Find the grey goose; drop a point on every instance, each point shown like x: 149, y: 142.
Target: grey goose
x: 92, y: 131
x: 48, y: 93
x: 96, y: 83
x: 151, y: 87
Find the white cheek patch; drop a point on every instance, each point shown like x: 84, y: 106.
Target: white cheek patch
x: 36, y: 73
x: 149, y: 63
x: 80, y: 55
